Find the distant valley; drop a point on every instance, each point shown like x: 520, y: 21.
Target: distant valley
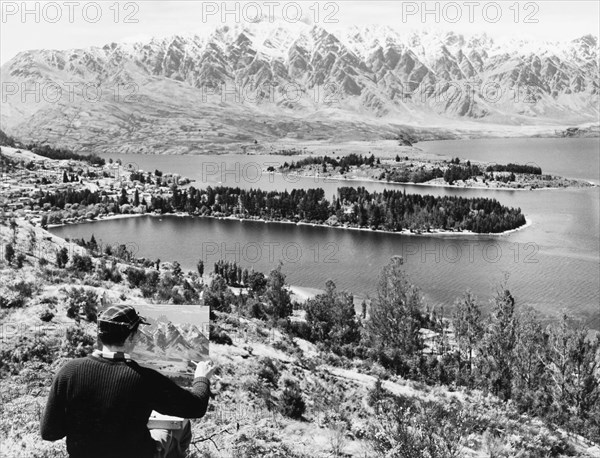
x: 237, y: 89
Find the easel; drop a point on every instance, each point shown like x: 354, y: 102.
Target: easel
x: 160, y: 421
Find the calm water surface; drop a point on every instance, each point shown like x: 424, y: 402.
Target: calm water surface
x: 554, y: 263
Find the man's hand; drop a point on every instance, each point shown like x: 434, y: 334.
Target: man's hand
x: 205, y: 369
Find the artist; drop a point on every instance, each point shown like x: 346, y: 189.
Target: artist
x: 102, y: 402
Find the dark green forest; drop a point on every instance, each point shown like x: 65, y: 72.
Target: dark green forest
x: 355, y: 207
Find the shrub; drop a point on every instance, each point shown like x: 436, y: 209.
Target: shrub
x: 62, y: 257
x: 292, y: 403
x: 407, y: 428
x: 107, y: 273
x: 11, y: 301
x: 39, y: 348
x: 77, y: 343
x: 9, y: 253
x: 217, y: 335
x: 20, y: 260
x: 82, y: 301
x: 50, y: 300
x: 150, y: 284
x: 24, y: 288
x: 46, y: 315
x: 268, y: 372
x: 135, y: 276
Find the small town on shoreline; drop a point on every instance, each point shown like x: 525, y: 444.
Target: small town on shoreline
x: 25, y: 177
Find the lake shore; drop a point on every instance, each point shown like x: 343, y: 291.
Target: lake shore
x: 433, y: 232
x: 437, y: 183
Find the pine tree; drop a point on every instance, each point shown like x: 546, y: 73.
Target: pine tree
x: 497, y: 349
x: 468, y: 328
x: 123, y: 198
x: 530, y: 381
x: 93, y: 245
x: 277, y: 295
x: 9, y: 253
x: 62, y: 257
x: 394, y: 317
x: 572, y: 364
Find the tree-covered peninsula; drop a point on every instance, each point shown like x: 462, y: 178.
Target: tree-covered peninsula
x: 390, y: 210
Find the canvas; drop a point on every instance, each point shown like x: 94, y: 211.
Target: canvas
x: 176, y: 336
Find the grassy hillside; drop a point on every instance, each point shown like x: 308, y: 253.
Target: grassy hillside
x: 277, y: 395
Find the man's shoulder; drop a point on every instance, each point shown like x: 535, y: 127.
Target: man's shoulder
x: 93, y: 364
x: 74, y: 363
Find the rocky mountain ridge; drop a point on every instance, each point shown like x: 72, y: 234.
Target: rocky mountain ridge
x: 237, y: 84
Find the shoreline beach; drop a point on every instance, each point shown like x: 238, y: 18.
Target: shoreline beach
x: 433, y: 232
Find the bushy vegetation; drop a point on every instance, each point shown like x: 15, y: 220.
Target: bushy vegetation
x: 6, y: 140
x: 412, y: 174
x: 515, y: 168
x: 390, y: 210
x: 82, y: 302
x: 63, y: 153
x: 292, y: 401
x: 345, y: 162
x: 507, y: 366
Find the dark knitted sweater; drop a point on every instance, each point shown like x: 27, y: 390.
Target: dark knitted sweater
x: 103, y: 405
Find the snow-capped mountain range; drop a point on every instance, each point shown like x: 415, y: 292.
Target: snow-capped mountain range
x: 164, y: 339
x: 201, y: 92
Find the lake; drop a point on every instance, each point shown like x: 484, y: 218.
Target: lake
x: 553, y: 264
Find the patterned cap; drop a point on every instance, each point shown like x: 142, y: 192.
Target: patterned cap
x: 123, y: 315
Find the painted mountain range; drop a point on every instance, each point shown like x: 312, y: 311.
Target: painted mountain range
x: 249, y: 84
x: 165, y: 340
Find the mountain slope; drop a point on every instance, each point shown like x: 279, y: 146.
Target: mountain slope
x: 237, y: 84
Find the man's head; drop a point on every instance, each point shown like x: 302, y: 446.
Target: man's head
x: 117, y: 324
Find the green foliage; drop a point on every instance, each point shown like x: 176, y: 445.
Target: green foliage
x: 218, y: 297
x: 150, y: 284
x: 331, y: 318
x: 106, y: 273
x: 531, y: 380
x: 257, y: 282
x: 27, y: 349
x: 63, y: 153
x: 405, y: 428
x: 46, y: 315
x: 395, y: 316
x: 468, y: 327
x: 458, y: 172
x: 572, y: 363
x: 416, y: 175
x: 514, y: 168
x: 81, y: 301
x: 77, y: 342
x: 230, y: 271
x: 268, y: 372
x: 20, y: 260
x: 497, y: 349
x: 62, y: 258
x: 218, y: 335
x: 135, y: 276
x: 277, y: 295
x: 292, y: 401
x: 81, y: 263
x: 9, y: 253
x: 15, y: 293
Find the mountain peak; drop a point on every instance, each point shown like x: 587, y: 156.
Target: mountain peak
x: 383, y: 73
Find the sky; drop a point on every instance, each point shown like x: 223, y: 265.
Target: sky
x: 80, y: 24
